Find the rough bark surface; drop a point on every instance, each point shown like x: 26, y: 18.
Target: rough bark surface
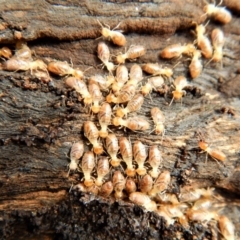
x: 39, y: 121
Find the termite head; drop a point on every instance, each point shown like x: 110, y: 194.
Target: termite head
x: 209, y: 8
x: 159, y: 129
x: 120, y: 112
x: 73, y: 166
x: 197, y: 53
x: 190, y: 48
x: 78, y: 73
x: 217, y: 56
x: 116, y: 121
x: 98, y: 149
x: 120, y: 59
x: 168, y: 72
x: 203, y: 145
x: 141, y: 171
x: 130, y: 172
x: 88, y: 183
x: 94, y: 108
x: 177, y: 94
x: 200, y: 29
x: 87, y: 100
x: 146, y: 89
x: 105, y: 32
x: 115, y: 162
x: 110, y: 66
x: 110, y: 98
x: 103, y: 133
x: 115, y: 87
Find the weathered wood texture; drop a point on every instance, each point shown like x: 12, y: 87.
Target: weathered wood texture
x: 39, y: 122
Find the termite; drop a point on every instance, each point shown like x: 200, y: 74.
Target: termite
x: 195, y: 67
x: 104, y: 82
x: 154, y: 160
x: 5, y: 52
x: 201, y: 215
x: 214, y: 153
x: 145, y: 183
x: 176, y: 50
x: 158, y: 119
x: 167, y: 198
x: 121, y: 78
x: 179, y: 83
x: 80, y: 87
x: 130, y: 186
x: 112, y: 148
x: 75, y: 154
x: 143, y: 200
x: 106, y: 189
x: 96, y: 96
x: 104, y: 56
x: 133, y: 105
x: 102, y: 170
x: 220, y: 14
x: 62, y: 68
x: 118, y: 184
x: 104, y: 118
x: 140, y: 155
x: 169, y: 212
x: 116, y: 36
x: 42, y: 76
x: 127, y: 155
x: 124, y: 95
x: 218, y: 41
x: 227, y: 228
x: 135, y: 75
x: 191, y: 195
x: 132, y: 53
x: 133, y: 123
x: 202, y: 203
x: 152, y: 83
x: 155, y: 69
x: 161, y: 183
x: 91, y: 133
x: 15, y: 64
x: 23, y: 51
x: 203, y: 42
x: 87, y: 166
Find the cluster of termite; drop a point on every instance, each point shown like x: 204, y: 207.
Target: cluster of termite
x: 212, y: 51
x: 145, y: 184
x: 22, y: 60
x: 134, y: 173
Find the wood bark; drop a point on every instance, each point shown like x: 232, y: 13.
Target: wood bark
x: 40, y: 121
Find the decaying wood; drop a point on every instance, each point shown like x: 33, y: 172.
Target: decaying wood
x: 39, y: 121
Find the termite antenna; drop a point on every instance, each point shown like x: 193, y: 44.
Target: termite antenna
x: 171, y: 102
x: 218, y: 3
x: 117, y: 26
x: 206, y: 23
x: 70, y: 188
x: 100, y: 23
